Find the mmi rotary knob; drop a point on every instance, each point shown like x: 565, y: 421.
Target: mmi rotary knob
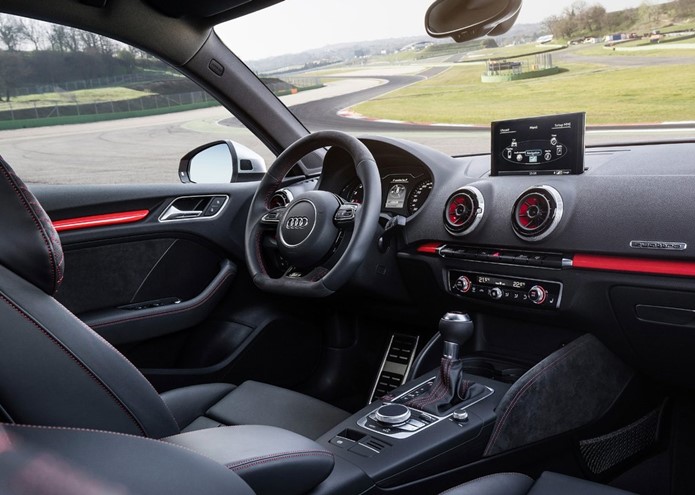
x: 392, y: 414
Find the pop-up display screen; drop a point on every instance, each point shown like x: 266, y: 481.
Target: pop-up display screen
x: 552, y: 145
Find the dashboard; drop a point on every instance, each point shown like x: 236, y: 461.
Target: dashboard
x: 608, y: 251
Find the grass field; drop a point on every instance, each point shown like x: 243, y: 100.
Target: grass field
x: 71, y: 97
x: 608, y: 94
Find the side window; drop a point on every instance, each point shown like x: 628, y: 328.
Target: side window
x: 79, y: 108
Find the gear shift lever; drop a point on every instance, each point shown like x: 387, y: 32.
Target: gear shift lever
x: 456, y: 329
x: 449, y: 388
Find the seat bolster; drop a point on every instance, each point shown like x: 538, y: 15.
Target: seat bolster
x: 495, y: 484
x: 189, y: 403
x: 39, y: 459
x: 554, y: 483
x: 271, y: 460
x: 254, y: 403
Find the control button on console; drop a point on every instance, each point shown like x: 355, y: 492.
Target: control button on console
x: 342, y: 442
x: 496, y: 293
x: 408, y: 427
x: 462, y: 284
x: 537, y: 294
x: 392, y: 414
x: 416, y: 423
x: 536, y: 260
x: 460, y: 415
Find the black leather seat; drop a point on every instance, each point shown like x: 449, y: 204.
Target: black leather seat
x: 520, y: 484
x: 63, y: 461
x: 55, y: 370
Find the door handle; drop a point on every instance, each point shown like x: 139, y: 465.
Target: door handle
x: 173, y: 213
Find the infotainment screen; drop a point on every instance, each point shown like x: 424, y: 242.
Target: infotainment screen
x: 550, y: 145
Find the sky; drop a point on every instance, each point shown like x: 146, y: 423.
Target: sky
x: 296, y: 25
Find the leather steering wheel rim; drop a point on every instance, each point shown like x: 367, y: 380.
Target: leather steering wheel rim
x: 317, y: 283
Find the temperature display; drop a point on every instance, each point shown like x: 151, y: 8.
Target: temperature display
x: 501, y: 282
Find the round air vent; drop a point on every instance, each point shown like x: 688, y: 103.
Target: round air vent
x: 281, y: 198
x: 537, y: 213
x: 464, y: 210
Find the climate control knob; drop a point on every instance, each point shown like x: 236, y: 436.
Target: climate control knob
x: 537, y: 294
x: 462, y: 284
x: 496, y: 293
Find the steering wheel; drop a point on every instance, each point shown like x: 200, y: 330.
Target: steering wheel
x: 309, y: 230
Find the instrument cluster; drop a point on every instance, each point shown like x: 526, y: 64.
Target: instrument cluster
x: 403, y: 193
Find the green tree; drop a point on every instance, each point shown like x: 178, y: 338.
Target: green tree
x: 649, y: 12
x: 593, y: 18
x: 13, y: 71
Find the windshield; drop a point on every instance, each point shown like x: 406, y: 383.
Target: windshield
x: 369, y: 67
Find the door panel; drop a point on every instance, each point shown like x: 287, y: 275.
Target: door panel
x: 142, y: 278
x: 223, y: 328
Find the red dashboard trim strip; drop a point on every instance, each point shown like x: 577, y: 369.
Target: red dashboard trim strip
x: 634, y: 265
x: 429, y: 247
x: 100, y: 220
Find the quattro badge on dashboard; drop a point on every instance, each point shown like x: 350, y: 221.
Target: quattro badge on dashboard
x: 668, y: 246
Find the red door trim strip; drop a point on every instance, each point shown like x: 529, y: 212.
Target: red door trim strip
x: 100, y: 220
x: 634, y: 265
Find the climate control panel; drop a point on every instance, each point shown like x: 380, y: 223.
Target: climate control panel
x: 517, y: 291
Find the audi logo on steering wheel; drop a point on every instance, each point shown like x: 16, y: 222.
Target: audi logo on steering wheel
x: 297, y: 223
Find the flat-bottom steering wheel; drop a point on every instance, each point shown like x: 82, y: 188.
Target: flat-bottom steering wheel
x: 310, y: 228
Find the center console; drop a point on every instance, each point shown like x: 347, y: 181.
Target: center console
x: 397, y: 420
x: 443, y: 427
x: 437, y: 422
x: 394, y: 444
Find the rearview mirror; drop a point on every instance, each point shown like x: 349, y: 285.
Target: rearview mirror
x: 221, y: 162
x: 465, y: 20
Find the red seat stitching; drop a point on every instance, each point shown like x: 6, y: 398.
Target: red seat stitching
x: 37, y: 223
x: 522, y: 391
x: 257, y: 461
x: 77, y: 361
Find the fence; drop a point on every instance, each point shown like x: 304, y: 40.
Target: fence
x: 151, y: 103
x: 503, y: 70
x: 541, y: 61
x: 101, y: 82
x: 75, y: 111
x: 302, y: 82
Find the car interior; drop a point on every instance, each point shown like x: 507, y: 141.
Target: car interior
x: 369, y: 315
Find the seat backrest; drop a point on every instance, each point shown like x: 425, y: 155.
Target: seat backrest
x: 54, y: 369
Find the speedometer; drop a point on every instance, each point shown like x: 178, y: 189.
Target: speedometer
x: 419, y: 195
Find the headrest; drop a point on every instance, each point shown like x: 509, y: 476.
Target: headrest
x: 29, y: 244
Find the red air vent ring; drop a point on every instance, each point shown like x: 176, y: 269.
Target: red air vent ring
x: 537, y: 213
x: 464, y: 210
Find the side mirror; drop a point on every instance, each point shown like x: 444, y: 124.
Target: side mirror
x: 465, y: 20
x: 221, y: 162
